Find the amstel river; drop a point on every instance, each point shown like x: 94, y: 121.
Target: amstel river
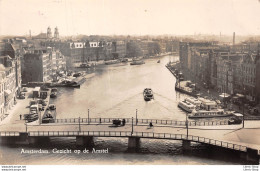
x: 116, y: 91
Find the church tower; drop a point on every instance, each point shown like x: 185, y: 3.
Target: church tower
x: 49, y: 33
x: 56, y: 33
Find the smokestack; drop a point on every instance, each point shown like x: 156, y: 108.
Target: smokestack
x: 234, y: 38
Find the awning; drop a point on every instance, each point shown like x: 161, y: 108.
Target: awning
x: 7, y: 92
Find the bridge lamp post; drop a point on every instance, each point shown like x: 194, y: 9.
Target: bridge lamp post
x: 40, y: 115
x: 79, y: 125
x: 25, y: 126
x: 244, y: 107
x: 132, y: 125
x: 88, y: 116
x: 187, y: 128
x: 136, y: 117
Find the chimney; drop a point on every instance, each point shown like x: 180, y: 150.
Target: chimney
x: 234, y: 38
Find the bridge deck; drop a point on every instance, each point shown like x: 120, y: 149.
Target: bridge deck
x: 227, y: 136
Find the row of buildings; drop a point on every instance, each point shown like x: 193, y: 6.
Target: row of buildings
x: 92, y: 49
x: 43, y: 58
x: 22, y: 62
x: 10, y: 77
x: 225, y: 68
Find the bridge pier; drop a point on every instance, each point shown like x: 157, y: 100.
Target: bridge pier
x: 251, y: 155
x: 83, y: 140
x: 133, y: 142
x: 186, y: 145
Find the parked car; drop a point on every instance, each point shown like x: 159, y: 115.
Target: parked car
x: 52, y: 107
x: 21, y: 96
x: 24, y: 89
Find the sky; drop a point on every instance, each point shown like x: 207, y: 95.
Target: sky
x: 130, y: 17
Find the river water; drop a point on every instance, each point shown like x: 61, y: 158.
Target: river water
x: 116, y: 91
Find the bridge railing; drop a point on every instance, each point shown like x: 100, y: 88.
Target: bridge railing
x: 252, y: 117
x: 141, y: 135
x: 141, y: 121
x: 9, y: 134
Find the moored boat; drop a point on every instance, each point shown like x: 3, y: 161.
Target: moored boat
x: 194, y: 101
x: 124, y: 60
x: 208, y: 109
x: 186, y: 106
x: 137, y: 62
x: 209, y: 114
x: 84, y: 65
x: 112, y: 62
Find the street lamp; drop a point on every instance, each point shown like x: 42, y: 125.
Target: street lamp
x: 132, y: 125
x: 136, y: 117
x: 25, y: 126
x: 88, y: 116
x: 79, y: 125
x: 243, y: 108
x: 40, y: 115
x: 187, y: 125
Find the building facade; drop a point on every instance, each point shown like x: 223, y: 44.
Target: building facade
x: 248, y: 74
x: 7, y: 85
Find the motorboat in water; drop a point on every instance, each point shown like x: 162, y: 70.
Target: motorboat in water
x: 148, y: 94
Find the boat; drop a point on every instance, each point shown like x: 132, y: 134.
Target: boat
x: 53, y: 92
x: 66, y: 83
x: 182, y: 90
x: 208, y: 114
x: 139, y: 62
x: 84, y: 65
x: 194, y: 101
x: 186, y: 106
x: 148, y: 94
x: 208, y: 109
x: 112, y: 62
x: 124, y: 60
